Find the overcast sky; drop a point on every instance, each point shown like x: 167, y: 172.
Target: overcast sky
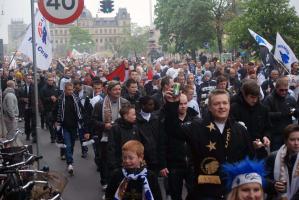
x: 138, y: 9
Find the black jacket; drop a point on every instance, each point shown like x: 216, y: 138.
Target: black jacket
x: 270, y: 163
x: 210, y: 149
x: 174, y: 150
x: 159, y: 99
x: 97, y: 125
x: 134, y: 189
x: 149, y: 89
x: 45, y: 94
x: 279, y: 111
x: 255, y: 118
x: 150, y: 134
x: 121, y: 132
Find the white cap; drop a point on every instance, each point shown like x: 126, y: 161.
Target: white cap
x: 242, y: 179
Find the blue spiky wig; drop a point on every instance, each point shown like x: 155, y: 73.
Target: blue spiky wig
x: 243, y: 172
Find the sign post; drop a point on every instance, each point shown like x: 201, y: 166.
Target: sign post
x: 61, y: 11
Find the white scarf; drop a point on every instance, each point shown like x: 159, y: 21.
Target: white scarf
x: 142, y: 175
x: 281, y: 172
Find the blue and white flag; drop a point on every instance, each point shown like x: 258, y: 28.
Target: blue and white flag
x: 284, y: 53
x: 260, y: 40
x: 43, y: 43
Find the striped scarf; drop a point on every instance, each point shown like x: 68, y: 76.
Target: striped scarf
x: 61, y: 105
x: 124, y: 183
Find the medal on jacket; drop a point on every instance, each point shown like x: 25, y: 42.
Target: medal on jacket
x: 209, y: 166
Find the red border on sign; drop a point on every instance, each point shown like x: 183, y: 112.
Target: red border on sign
x: 55, y: 20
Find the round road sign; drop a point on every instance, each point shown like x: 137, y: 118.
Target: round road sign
x: 61, y: 11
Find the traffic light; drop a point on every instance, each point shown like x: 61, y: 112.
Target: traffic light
x: 107, y: 6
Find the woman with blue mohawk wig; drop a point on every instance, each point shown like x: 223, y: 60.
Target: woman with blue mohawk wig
x: 245, y: 180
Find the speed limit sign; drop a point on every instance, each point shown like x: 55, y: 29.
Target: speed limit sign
x: 61, y: 11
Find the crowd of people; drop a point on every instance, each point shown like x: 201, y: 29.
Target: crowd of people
x: 221, y: 130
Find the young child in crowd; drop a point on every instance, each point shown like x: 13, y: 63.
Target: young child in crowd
x: 133, y: 181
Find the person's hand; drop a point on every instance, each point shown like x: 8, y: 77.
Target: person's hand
x: 257, y: 144
x: 164, y: 172
x: 267, y: 142
x: 53, y: 98
x: 86, y: 136
x: 280, y: 186
x: 26, y: 100
x: 168, y: 95
x: 108, y: 126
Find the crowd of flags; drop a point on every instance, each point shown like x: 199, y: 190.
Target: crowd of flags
x: 283, y: 53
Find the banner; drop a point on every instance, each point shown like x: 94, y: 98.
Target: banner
x: 260, y: 40
x: 118, y: 73
x: 43, y: 43
x: 284, y: 53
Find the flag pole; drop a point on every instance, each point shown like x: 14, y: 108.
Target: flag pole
x: 35, y: 75
x: 283, y: 67
x: 13, y: 57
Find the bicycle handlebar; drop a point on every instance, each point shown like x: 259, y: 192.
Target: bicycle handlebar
x: 31, y: 159
x: 30, y: 183
x: 5, y: 142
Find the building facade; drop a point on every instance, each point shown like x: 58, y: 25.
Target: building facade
x: 16, y: 32
x: 102, y: 30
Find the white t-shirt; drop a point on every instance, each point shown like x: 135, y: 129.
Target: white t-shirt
x: 220, y: 126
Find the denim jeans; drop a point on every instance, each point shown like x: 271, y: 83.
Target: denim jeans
x: 69, y: 138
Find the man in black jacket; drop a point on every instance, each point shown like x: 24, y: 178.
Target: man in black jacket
x: 282, y: 108
x: 49, y: 95
x: 247, y: 109
x: 214, y: 141
x: 27, y: 97
x: 149, y: 128
x: 175, y: 154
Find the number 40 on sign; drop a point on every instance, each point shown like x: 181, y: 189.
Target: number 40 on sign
x: 61, y: 11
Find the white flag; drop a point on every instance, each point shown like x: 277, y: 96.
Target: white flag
x: 260, y: 40
x: 284, y: 53
x: 43, y: 42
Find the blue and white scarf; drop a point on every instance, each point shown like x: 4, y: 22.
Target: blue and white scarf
x: 127, y: 177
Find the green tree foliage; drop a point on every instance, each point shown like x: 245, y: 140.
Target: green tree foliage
x: 265, y: 17
x: 184, y: 24
x: 134, y: 43
x: 80, y: 40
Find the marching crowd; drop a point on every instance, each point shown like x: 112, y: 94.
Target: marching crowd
x: 223, y: 130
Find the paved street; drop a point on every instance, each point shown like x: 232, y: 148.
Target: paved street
x: 85, y: 184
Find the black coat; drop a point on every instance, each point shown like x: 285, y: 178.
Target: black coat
x: 175, y: 153
x: 150, y: 134
x: 45, y: 94
x: 256, y: 118
x: 210, y: 149
x: 121, y: 132
x: 134, y: 189
x: 279, y: 109
x: 159, y: 99
x: 270, y: 163
x: 149, y: 89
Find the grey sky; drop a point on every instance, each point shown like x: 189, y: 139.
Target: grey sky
x: 139, y: 10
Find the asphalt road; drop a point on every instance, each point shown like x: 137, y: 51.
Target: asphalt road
x: 85, y: 184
